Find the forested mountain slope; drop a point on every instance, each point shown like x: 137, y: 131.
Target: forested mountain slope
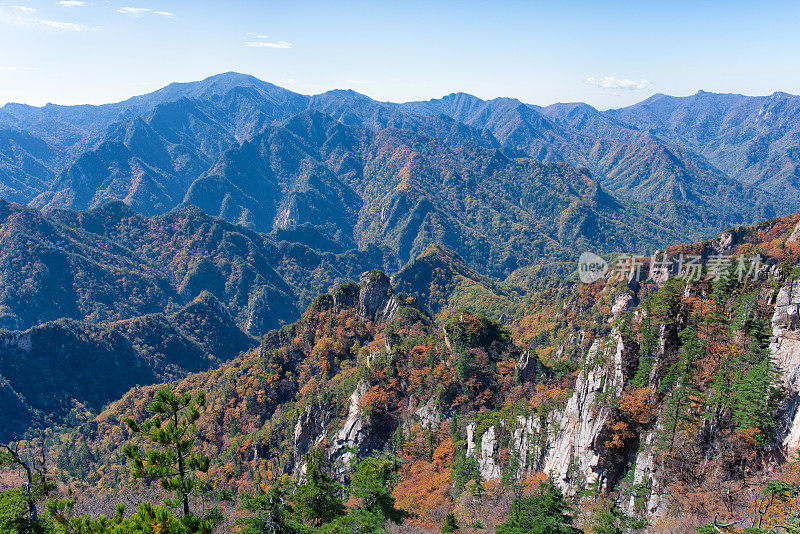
x: 56, y: 367
x: 95, y: 302
x: 112, y: 263
x: 667, y: 395
x: 660, y: 159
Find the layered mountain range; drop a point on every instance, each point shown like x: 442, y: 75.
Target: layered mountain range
x: 356, y: 277
x: 236, y: 191
x: 504, y: 183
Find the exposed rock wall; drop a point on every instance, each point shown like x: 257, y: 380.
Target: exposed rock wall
x: 308, y: 431
x: 375, y: 298
x: 645, y: 477
x: 352, y: 435
x: 564, y: 444
x: 785, y: 351
x: 570, y: 444
x: 574, y: 445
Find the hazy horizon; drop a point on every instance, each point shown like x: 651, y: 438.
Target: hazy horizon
x: 607, y: 55
x: 370, y: 96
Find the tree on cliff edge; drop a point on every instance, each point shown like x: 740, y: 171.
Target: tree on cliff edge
x: 544, y: 512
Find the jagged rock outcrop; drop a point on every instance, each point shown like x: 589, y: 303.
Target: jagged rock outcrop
x: 375, y: 298
x: 490, y: 469
x: 308, y: 431
x: 353, y: 434
x: 15, y: 340
x: 573, y: 454
x: 526, y: 444
x: 346, y: 296
x: 795, y: 236
x: 471, y: 440
x: 429, y: 415
x: 488, y: 466
x: 527, y: 367
x: 568, y: 445
x: 645, y: 478
x: 621, y: 303
x: 785, y: 351
x: 354, y: 437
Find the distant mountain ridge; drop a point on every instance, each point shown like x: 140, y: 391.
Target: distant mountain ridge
x: 111, y: 264
x: 273, y: 160
x: 45, y: 367
x: 753, y: 139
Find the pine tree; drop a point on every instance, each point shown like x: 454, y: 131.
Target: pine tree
x: 450, y: 524
x: 544, y: 512
x: 677, y: 386
x: 173, y: 432
x: 372, y: 485
x: 754, y: 402
x: 18, y: 511
x: 273, y: 513
x: 317, y: 500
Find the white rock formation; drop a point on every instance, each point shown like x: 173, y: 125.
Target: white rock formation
x: 785, y: 351
x: 471, y: 440
x: 429, y: 415
x: 352, y: 434
x: 21, y: 341
x: 795, y: 236
x: 489, y: 468
x: 644, y: 474
x: 525, y: 443
x: 308, y: 431
x: 572, y: 451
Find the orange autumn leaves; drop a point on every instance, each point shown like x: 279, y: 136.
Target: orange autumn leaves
x: 426, y: 476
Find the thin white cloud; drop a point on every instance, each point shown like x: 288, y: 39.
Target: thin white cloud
x: 610, y: 82
x: 25, y: 9
x: 71, y: 3
x: 24, y: 20
x: 133, y: 11
x: 7, y: 68
x: 71, y: 26
x: 264, y: 44
x: 139, y: 11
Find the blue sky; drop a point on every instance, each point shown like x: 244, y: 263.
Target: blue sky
x: 609, y: 54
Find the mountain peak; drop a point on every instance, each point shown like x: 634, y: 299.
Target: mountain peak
x: 216, y: 85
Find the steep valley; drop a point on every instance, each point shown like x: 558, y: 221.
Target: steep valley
x: 665, y: 395
x: 374, y: 317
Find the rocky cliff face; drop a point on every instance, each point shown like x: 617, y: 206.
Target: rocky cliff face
x: 573, y: 452
x: 375, y: 298
x: 353, y: 434
x: 785, y: 351
x: 571, y: 444
x: 568, y: 444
